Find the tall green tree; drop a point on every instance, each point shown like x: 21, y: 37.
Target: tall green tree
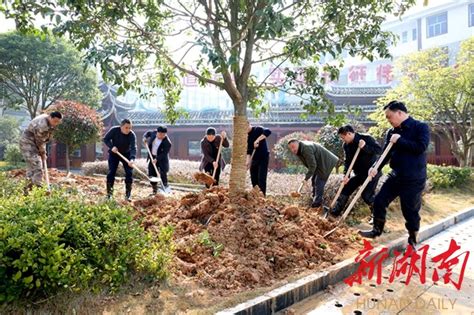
x: 38, y: 69
x: 80, y: 125
x: 439, y: 93
x: 219, y: 42
x: 9, y: 132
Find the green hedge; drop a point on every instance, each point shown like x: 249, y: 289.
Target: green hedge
x: 55, y: 241
x: 448, y: 176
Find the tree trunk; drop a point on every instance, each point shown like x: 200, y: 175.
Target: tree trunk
x: 238, y: 172
x: 68, y: 164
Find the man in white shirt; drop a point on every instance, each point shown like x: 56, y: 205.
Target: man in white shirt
x: 159, y: 145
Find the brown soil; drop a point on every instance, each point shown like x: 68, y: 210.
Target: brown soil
x: 266, y: 242
x: 204, y: 178
x: 263, y: 241
x: 92, y: 187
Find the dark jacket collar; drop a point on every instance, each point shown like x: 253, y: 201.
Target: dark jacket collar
x: 300, y: 148
x: 407, y: 123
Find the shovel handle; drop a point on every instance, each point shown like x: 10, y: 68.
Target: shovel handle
x: 46, y: 173
x: 251, y: 157
x: 218, y: 158
x: 135, y: 167
x: 300, y: 187
x: 349, y: 170
x: 361, y: 189
x: 154, y: 165
x: 151, y: 159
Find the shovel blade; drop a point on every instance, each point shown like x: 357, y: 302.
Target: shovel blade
x: 154, y: 179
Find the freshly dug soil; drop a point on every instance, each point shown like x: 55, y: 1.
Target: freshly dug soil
x: 92, y: 187
x: 250, y: 242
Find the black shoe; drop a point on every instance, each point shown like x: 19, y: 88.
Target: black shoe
x: 339, y: 207
x: 128, y: 191
x: 377, y: 229
x: 110, y: 190
x: 412, y: 238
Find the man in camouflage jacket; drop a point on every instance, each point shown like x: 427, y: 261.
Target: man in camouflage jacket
x: 33, y: 144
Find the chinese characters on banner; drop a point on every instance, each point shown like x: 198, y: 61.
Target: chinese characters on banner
x: 384, y: 73
x: 410, y: 264
x: 357, y: 74
x: 277, y: 76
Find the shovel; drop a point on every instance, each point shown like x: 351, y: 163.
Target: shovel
x: 349, y: 170
x: 217, y: 160
x: 205, y: 178
x: 361, y: 189
x: 155, y: 179
x: 46, y: 173
x: 151, y: 179
x: 251, y: 158
x: 297, y: 194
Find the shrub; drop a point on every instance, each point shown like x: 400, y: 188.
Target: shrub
x: 52, y: 242
x: 327, y: 136
x: 283, y: 154
x: 80, y: 125
x: 13, y: 154
x: 448, y: 176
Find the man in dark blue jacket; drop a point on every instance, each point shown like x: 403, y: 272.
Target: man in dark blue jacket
x: 121, y: 139
x: 369, y: 151
x: 407, y: 179
x: 160, y: 146
x: 258, y: 163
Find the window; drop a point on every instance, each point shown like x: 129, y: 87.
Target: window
x: 99, y: 153
x: 194, y: 148
x: 76, y: 153
x: 404, y: 37
x: 414, y: 34
x: 471, y: 14
x: 437, y: 25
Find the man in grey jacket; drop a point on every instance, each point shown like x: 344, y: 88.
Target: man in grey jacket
x: 320, y: 163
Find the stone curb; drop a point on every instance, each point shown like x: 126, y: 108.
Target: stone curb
x: 289, y: 294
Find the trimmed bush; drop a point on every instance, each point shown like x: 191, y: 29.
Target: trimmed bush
x: 448, y: 176
x: 50, y: 242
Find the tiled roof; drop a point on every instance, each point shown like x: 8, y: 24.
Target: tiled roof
x: 276, y: 116
x: 360, y: 97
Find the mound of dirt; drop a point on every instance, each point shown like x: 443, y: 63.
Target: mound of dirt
x: 245, y: 243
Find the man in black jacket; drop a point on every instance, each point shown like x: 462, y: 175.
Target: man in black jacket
x: 407, y: 179
x: 209, y: 148
x: 159, y: 145
x: 121, y: 139
x: 258, y: 163
x: 369, y: 150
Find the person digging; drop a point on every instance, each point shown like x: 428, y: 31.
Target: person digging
x: 33, y: 146
x: 320, y: 163
x: 159, y: 145
x: 258, y: 155
x: 121, y: 139
x: 410, y: 139
x: 367, y: 156
x: 210, y: 149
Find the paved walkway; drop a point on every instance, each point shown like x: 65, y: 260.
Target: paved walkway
x: 399, y: 298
